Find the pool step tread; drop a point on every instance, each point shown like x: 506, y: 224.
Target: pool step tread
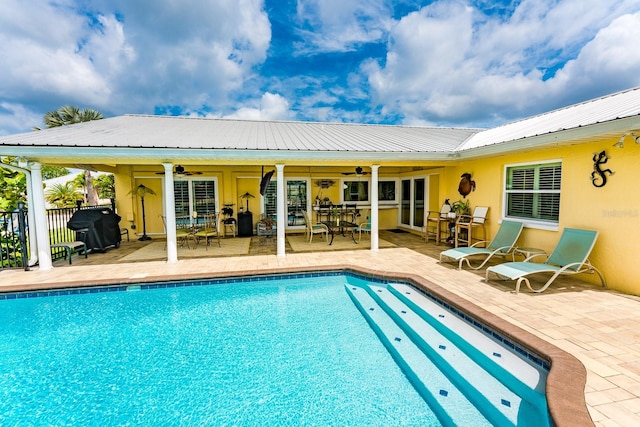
x: 495, y: 352
x: 425, y: 375
x: 484, y: 390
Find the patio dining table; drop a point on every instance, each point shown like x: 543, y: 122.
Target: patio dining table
x: 341, y: 227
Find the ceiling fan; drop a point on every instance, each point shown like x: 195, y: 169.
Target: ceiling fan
x: 179, y: 171
x: 358, y: 172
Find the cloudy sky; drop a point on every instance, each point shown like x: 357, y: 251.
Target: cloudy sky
x: 475, y: 63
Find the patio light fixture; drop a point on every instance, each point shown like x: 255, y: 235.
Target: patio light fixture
x: 620, y: 143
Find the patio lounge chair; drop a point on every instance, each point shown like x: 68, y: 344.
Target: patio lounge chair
x: 569, y: 257
x: 502, y: 244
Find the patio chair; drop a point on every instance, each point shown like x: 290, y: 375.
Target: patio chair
x: 502, y: 244
x: 569, y: 257
x: 212, y: 229
x: 312, y: 229
x: 183, y: 233
x: 364, y: 226
x: 468, y: 223
x: 433, y: 221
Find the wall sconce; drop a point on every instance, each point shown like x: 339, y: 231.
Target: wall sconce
x: 620, y: 143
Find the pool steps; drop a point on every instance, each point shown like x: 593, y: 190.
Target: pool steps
x: 472, y: 359
x: 437, y: 390
x: 526, y: 379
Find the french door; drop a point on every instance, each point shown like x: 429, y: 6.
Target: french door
x: 297, y: 201
x: 412, y: 202
x: 194, y: 198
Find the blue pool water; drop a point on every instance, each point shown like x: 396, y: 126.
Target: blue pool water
x: 282, y: 351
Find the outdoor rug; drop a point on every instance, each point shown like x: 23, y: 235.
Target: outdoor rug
x: 157, y: 251
x: 299, y: 243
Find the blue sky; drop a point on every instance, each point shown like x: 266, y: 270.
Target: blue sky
x: 475, y: 63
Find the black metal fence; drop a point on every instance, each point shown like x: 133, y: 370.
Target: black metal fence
x: 14, y: 239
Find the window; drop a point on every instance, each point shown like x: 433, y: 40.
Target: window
x: 355, y: 191
x: 387, y: 191
x: 533, y: 191
x: 358, y: 191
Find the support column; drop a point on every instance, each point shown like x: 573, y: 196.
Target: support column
x: 170, y: 214
x: 374, y: 208
x: 281, y: 211
x: 40, y: 218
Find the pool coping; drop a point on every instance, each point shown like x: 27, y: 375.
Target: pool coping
x: 567, y: 377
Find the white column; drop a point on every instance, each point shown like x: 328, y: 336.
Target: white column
x: 374, y: 208
x: 40, y: 218
x: 281, y: 211
x: 170, y: 214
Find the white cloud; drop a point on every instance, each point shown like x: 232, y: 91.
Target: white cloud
x: 341, y: 25
x: 272, y: 107
x: 15, y: 118
x: 119, y: 55
x: 448, y: 64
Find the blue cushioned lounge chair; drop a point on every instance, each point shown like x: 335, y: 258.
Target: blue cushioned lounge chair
x: 569, y: 257
x: 502, y: 244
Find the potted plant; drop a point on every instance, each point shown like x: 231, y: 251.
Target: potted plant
x: 268, y: 222
x: 461, y: 207
x: 335, y: 214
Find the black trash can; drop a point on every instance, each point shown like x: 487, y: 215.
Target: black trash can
x: 245, y: 224
x: 97, y: 228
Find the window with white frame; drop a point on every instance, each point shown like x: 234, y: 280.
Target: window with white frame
x: 358, y: 191
x: 533, y: 191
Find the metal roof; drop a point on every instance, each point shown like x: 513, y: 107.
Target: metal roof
x: 152, y: 137
x: 625, y: 104
x: 142, y: 131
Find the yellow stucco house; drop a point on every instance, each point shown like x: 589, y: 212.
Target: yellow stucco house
x: 572, y: 167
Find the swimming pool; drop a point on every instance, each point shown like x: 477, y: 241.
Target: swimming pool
x: 255, y: 352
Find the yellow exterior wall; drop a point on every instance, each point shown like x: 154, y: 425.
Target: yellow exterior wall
x: 612, y: 210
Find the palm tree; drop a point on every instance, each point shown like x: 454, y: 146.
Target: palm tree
x: 68, y: 115
x: 63, y: 195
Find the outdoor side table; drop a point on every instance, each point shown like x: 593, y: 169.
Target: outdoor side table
x: 527, y: 252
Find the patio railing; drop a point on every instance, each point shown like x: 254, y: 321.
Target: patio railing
x: 14, y: 244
